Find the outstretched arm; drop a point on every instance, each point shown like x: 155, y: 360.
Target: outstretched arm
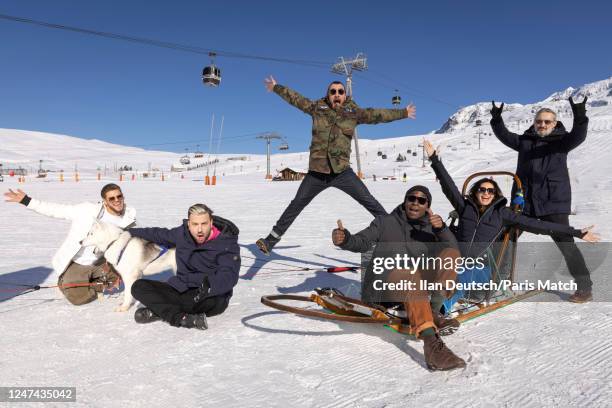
x: 579, y: 128
x: 292, y: 97
x: 160, y: 236
x: 499, y: 128
x: 372, y: 116
x: 63, y: 211
x: 449, y: 188
x: 546, y: 228
x: 360, y: 242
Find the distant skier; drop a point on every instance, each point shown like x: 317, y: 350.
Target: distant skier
x: 542, y: 167
x: 334, y: 118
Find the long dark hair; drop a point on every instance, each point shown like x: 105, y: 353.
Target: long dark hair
x: 476, y: 186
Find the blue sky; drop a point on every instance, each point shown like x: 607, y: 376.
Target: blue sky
x: 441, y: 55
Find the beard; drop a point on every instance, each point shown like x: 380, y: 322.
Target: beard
x: 545, y: 132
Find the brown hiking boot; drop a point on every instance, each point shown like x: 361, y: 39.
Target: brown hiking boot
x: 445, y: 325
x: 581, y: 296
x: 439, y: 357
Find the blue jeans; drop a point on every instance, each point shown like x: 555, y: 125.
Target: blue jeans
x: 470, y: 275
x: 314, y: 183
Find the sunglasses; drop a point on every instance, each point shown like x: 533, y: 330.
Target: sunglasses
x: 333, y: 91
x: 115, y: 198
x: 420, y: 200
x: 486, y: 190
x: 546, y: 122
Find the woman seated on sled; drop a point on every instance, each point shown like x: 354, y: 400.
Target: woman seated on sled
x: 483, y: 217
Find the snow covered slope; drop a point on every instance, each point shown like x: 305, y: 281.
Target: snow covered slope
x: 532, y: 354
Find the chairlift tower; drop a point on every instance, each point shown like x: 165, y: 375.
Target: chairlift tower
x: 346, y: 67
x: 268, y: 137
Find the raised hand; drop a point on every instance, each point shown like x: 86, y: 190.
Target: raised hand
x: 338, y: 234
x: 269, y: 82
x: 411, y: 111
x: 589, y: 235
x: 496, y: 111
x: 14, y: 196
x: 434, y: 219
x: 429, y: 149
x: 579, y: 109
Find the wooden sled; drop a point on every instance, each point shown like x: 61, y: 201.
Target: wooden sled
x: 335, y: 306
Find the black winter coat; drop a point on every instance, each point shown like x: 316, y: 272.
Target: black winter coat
x: 542, y: 164
x: 477, y: 232
x: 217, y: 261
x: 395, y: 234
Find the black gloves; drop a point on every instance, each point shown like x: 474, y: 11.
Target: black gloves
x: 497, y: 111
x: 340, y: 236
x: 579, y: 109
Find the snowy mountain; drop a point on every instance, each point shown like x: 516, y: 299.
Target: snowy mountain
x: 599, y: 94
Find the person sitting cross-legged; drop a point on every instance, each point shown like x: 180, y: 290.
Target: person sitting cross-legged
x: 208, y: 263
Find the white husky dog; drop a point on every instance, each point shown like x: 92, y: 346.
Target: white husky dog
x: 131, y: 257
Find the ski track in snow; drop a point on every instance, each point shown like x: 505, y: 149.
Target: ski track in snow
x: 530, y: 354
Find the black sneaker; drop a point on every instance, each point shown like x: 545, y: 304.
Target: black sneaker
x: 266, y: 244
x: 145, y: 315
x: 194, y: 321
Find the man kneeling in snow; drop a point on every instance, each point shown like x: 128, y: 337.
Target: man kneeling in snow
x: 411, y: 229
x: 208, y: 262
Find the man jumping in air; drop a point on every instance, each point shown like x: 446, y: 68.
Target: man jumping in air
x: 334, y: 119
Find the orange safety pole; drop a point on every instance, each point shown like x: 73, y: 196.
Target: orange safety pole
x: 121, y: 177
x: 62, y: 177
x: 207, y: 180
x: 98, y: 176
x: 76, y: 177
x: 214, y: 180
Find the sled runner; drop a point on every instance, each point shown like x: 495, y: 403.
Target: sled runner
x: 333, y: 305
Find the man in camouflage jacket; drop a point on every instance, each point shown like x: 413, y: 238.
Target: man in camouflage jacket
x: 334, y: 119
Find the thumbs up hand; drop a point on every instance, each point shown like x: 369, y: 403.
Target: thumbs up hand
x: 339, y: 234
x: 434, y: 219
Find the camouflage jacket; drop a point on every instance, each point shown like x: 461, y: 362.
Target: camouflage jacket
x: 332, y: 130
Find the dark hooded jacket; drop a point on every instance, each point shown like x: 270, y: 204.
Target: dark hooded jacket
x: 542, y: 164
x: 217, y: 261
x: 395, y: 234
x: 478, y: 231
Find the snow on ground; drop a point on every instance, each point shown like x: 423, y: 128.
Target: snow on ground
x: 531, y: 354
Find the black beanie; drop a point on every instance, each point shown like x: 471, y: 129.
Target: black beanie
x: 422, y: 189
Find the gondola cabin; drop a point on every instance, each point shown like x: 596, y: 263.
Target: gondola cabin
x: 211, y: 76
